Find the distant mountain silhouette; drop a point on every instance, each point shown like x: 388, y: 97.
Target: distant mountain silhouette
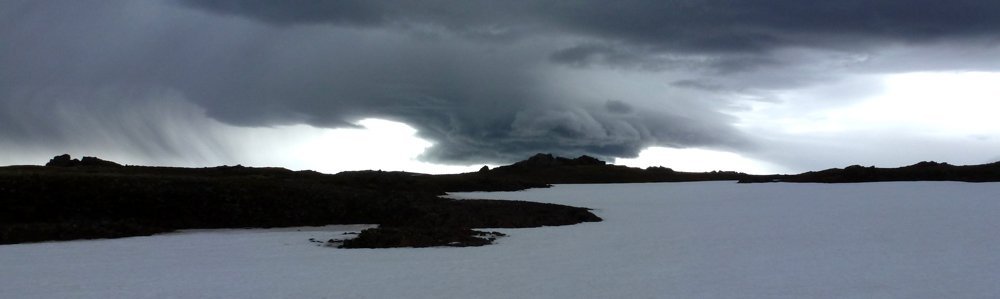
x: 923, y: 171
x: 549, y: 169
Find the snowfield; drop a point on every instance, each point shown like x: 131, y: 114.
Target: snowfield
x: 670, y: 240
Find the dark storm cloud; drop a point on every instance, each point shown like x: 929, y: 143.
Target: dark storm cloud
x: 475, y: 77
x: 305, y: 11
x: 476, y: 101
x: 757, y: 26
x: 479, y: 20
x: 613, y: 131
x: 618, y: 107
x: 710, y: 37
x: 698, y: 84
x: 695, y: 26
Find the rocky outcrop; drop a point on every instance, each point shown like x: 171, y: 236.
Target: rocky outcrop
x: 65, y: 160
x: 548, y: 160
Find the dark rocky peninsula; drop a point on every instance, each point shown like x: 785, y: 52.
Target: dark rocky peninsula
x: 93, y: 198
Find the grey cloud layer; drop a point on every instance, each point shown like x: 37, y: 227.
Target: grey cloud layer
x: 475, y: 77
x: 708, y: 25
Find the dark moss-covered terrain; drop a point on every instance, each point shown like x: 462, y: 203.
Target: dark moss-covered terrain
x: 93, y: 198
x: 70, y: 199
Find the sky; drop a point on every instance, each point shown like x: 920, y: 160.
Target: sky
x: 760, y: 86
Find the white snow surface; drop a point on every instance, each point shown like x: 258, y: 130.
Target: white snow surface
x: 669, y: 240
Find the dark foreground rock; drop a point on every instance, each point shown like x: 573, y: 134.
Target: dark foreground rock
x: 388, y: 237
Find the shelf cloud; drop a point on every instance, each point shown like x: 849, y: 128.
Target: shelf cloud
x: 485, y: 81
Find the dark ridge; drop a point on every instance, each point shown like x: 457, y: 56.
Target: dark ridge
x: 922, y: 171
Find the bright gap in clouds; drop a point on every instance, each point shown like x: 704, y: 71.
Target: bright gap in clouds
x: 960, y: 103
x: 951, y: 104
x: 920, y: 116
x: 697, y: 160
x: 377, y: 145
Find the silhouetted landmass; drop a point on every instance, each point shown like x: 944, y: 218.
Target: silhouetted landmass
x: 538, y: 171
x: 923, y: 171
x: 543, y: 169
x: 405, y: 181
x: 82, y: 201
x: 93, y: 198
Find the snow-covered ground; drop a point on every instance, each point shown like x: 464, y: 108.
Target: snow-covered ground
x: 677, y: 240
